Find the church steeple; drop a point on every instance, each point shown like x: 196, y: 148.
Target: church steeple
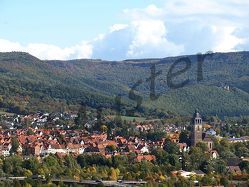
x: 197, y: 128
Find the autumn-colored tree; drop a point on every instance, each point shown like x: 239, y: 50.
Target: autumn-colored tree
x: 113, y: 174
x: 103, y: 128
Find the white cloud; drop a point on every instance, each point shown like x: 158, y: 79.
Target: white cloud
x: 226, y: 40
x: 139, y: 39
x: 176, y: 27
x: 214, y: 23
x: 7, y: 46
x: 47, y: 51
x: 150, y: 40
x: 117, y: 27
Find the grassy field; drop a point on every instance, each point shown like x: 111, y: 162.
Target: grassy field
x: 130, y: 118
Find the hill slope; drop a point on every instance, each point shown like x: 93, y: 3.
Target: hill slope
x: 29, y: 84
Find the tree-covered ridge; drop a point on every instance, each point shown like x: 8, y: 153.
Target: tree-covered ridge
x: 211, y: 99
x: 29, y: 84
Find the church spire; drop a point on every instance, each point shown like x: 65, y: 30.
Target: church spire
x: 197, y: 128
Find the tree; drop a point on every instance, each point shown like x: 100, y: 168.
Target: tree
x: 13, y: 165
x: 53, y: 164
x: 174, y: 160
x: 244, y: 165
x: 113, y: 174
x: 27, y: 173
x: 224, y: 181
x: 99, y: 119
x: 184, y: 137
x: 171, y: 148
x: 30, y: 132
x: 31, y: 164
x: 81, y: 118
x: 156, y: 136
x: 71, y: 163
x: 203, y: 146
x: 27, y: 123
x: 207, y: 180
x: 197, y: 157
x: 81, y: 159
x: 182, y: 182
x: 111, y: 148
x: 103, y: 128
x: 14, y: 145
x: 241, y: 150
x: 16, y: 183
x: 161, y: 156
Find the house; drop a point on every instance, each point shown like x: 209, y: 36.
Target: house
x: 91, y: 149
x: 182, y: 173
x: 37, y: 148
x: 188, y: 174
x: 183, y: 147
x: 54, y: 148
x: 210, y: 132
x: 19, y: 150
x: 5, y: 151
x: 144, y: 127
x: 142, y: 148
x: 174, y: 137
x: 241, y: 139
x: 234, y: 170
x: 121, y: 141
x: 233, y: 161
x: 131, y: 148
x: 199, y: 173
x: 74, y: 148
x: 81, y: 150
x: 139, y: 158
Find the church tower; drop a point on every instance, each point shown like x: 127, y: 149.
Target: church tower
x: 197, y: 129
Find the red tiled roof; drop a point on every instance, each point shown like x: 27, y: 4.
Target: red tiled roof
x: 139, y: 158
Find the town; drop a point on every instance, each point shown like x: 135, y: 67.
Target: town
x: 192, y: 150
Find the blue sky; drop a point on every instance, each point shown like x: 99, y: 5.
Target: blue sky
x: 117, y: 29
x: 60, y: 22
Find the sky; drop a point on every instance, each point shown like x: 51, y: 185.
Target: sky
x: 118, y: 29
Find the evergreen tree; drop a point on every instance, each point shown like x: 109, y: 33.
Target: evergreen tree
x: 81, y: 118
x: 14, y: 145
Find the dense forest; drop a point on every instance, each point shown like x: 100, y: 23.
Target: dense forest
x: 215, y: 83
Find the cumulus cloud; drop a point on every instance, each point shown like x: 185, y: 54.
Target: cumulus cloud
x: 48, y: 51
x: 8, y: 46
x: 176, y: 27
x: 139, y: 39
x: 213, y: 23
x: 150, y: 40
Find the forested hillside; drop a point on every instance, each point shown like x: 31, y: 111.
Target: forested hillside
x: 28, y: 84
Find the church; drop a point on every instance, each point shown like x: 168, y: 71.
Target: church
x: 197, y: 132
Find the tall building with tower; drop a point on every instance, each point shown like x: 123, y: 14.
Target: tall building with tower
x: 197, y: 128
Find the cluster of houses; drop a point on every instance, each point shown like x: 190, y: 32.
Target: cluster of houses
x: 38, y: 141
x: 38, y: 119
x: 41, y: 142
